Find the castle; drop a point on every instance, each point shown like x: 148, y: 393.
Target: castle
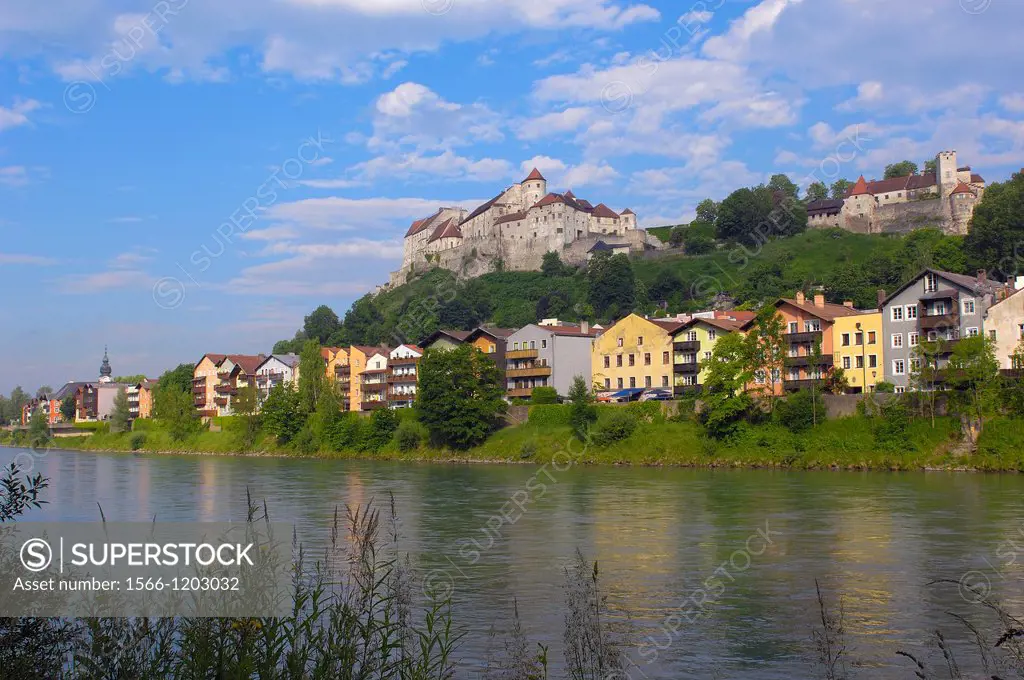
x: 944, y: 198
x: 516, y: 228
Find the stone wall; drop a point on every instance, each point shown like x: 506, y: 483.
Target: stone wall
x: 905, y: 217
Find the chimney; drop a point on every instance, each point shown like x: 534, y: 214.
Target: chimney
x: 800, y: 297
x: 982, y: 276
x: 848, y: 304
x: 881, y: 297
x: 584, y: 327
x: 819, y: 300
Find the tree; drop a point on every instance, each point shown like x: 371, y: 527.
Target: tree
x: 129, y: 379
x: 766, y: 351
x: 901, y: 169
x: 582, y: 413
x: 68, y: 409
x: 383, y: 423
x: 459, y: 396
x: 931, y: 167
x: 780, y: 183
x: 18, y: 495
x: 312, y: 376
x: 814, y: 357
x: 817, y: 191
x: 973, y: 375
x: 726, y: 400
x: 38, y: 430
x: 707, y: 211
x: 755, y: 215
x: 458, y: 315
x: 552, y: 265
x: 44, y: 392
x: 179, y: 378
x: 798, y: 411
x: 677, y: 235
x: 281, y: 414
x: 924, y: 373
x: 840, y: 188
x: 544, y: 395
x: 176, y: 409
x: 121, y: 416
x: 246, y: 405
x: 611, y: 286
x: 997, y: 228
x: 321, y: 324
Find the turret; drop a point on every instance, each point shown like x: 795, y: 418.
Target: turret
x: 945, y: 172
x: 535, y: 187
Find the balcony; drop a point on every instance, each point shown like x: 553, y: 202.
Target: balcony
x: 220, y: 401
x: 373, y: 405
x: 520, y: 393
x: 805, y: 338
x: 824, y: 360
x: 342, y: 370
x: 927, y: 323
x: 687, y: 346
x: 402, y: 378
x: 534, y: 372
x: 404, y: 361
x: 201, y: 380
x: 687, y: 368
x: 522, y: 354
x: 224, y: 375
x: 225, y: 389
x: 795, y: 385
x: 199, y: 401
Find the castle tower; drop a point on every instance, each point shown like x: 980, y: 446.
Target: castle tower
x: 945, y: 172
x: 535, y: 187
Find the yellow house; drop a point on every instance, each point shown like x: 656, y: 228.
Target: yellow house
x: 634, y: 353
x: 858, y: 349
x: 693, y: 343
x: 1004, y: 326
x: 204, y: 381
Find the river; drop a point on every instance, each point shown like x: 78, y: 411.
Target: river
x: 878, y: 539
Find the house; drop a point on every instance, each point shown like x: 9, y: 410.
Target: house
x: 359, y: 361
x: 49, y: 405
x: 693, y: 343
x: 444, y: 339
x: 71, y: 389
x: 808, y: 323
x: 403, y: 369
x: 276, y: 369
x: 334, y: 357
x: 859, y: 349
x: 492, y: 342
x: 634, y: 353
x: 234, y: 372
x: 934, y: 305
x: 204, y: 380
x: 1004, y: 326
x: 610, y: 248
x: 549, y: 355
x: 140, y: 399
x: 374, y: 380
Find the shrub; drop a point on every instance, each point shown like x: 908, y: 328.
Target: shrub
x: 885, y: 387
x: 550, y: 414
x: 409, y: 436
x: 796, y: 412
x: 305, y: 441
x: 144, y: 425
x: 544, y: 395
x: 645, y: 411
x: 892, y: 426
x: 528, y: 449
x: 138, y: 440
x: 615, y: 426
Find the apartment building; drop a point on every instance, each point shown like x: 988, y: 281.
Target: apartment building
x: 444, y: 339
x: 274, y: 370
x: 634, y: 353
x: 549, y: 354
x: 204, y: 380
x: 693, y: 344
x: 403, y: 374
x: 859, y: 350
x: 351, y: 376
x: 934, y: 305
x: 234, y: 372
x: 374, y: 381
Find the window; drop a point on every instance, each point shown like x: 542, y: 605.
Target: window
x: 665, y: 359
x: 968, y: 306
x: 992, y: 336
x: 632, y: 360
x: 543, y: 344
x: 911, y: 312
x: 607, y: 361
x: 913, y: 339
x: 900, y: 390
x: 858, y: 339
x: 897, y: 340
x: 776, y: 375
x: 931, y: 283
x: 491, y: 349
x: 620, y: 342
x: 712, y: 334
x: 759, y: 377
x: 860, y: 362
x: 515, y: 345
x: 640, y: 341
x: 647, y: 381
x: 691, y: 336
x: 972, y: 332
x: 812, y: 326
x: 915, y: 365
x: 533, y: 344
x: 846, y: 363
x: 899, y: 367
x: 846, y: 339
x: 618, y: 361
x: 689, y: 380
x: 871, y: 338
x: 664, y: 381
x: 707, y: 356
x: 647, y: 358
x: 632, y: 382
x: 794, y: 327
x: 1021, y: 329
x: 939, y: 309
x: 897, y: 314
x: 872, y: 361
x: 619, y: 382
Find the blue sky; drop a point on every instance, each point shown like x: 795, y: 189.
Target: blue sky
x: 137, y: 138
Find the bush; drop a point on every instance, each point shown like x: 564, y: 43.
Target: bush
x: 305, y: 441
x: 528, y: 449
x: 409, y: 436
x: 885, y: 387
x: 544, y: 395
x: 796, y: 412
x: 645, y: 411
x: 144, y: 425
x: 138, y: 440
x: 892, y: 426
x: 98, y: 427
x: 550, y: 415
x: 614, y: 426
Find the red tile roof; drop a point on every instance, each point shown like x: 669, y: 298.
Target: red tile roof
x: 670, y: 326
x: 921, y: 181
x: 569, y: 194
x: 549, y: 199
x: 447, y: 229
x: 962, y: 188
x: 534, y: 175
x: 511, y: 217
x: 247, y: 362
x: 572, y: 330
x: 977, y: 179
x: 420, y: 225
x: 627, y: 211
x: 601, y: 210
x: 828, y: 312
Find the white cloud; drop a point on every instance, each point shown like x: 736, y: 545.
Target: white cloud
x: 413, y: 115
x: 554, y: 123
x: 15, y: 258
x: 1013, y: 103
x: 447, y: 165
x: 113, y: 279
x: 348, y: 214
x: 17, y: 114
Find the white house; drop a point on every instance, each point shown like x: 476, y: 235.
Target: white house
x: 403, y: 365
x: 277, y: 369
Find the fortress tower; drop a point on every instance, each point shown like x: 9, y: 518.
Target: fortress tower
x: 946, y: 172
x: 535, y: 187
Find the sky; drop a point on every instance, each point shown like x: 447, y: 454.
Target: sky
x: 180, y: 177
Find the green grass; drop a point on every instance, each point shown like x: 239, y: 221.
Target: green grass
x: 662, y: 233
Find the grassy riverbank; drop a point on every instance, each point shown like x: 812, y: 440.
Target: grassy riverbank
x: 845, y: 443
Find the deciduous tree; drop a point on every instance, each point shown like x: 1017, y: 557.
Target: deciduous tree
x: 321, y: 324
x: 459, y: 396
x: 766, y: 351
x: 120, y: 416
x: 901, y: 169
x: 817, y: 191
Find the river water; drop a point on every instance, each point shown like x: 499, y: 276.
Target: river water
x: 658, y: 534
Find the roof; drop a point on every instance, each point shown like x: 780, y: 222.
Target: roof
x: 535, y: 174
x: 893, y: 184
x: 457, y: 336
x: 290, y: 360
x: 627, y: 211
x: 69, y: 389
x: 977, y: 179
x: 827, y: 206
x: 569, y: 194
x: 972, y: 283
x: 962, y: 188
x: 549, y: 199
x: 860, y: 188
x: 628, y: 392
x: 215, y: 358
x: 511, y: 217
x: 828, y: 312
x: 601, y: 210
x: 601, y: 246
x: 247, y: 362
x: 370, y: 350
x: 670, y: 326
x: 496, y: 333
x: 447, y: 229
x: 571, y: 330
x: 727, y: 325
x: 481, y: 209
x: 420, y: 225
x: 414, y: 348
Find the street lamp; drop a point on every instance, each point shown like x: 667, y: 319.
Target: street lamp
x: 863, y: 357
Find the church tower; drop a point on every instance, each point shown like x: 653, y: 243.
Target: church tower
x: 105, y: 370
x: 535, y: 187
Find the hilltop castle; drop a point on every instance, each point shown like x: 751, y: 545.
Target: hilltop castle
x: 516, y: 228
x: 944, y: 198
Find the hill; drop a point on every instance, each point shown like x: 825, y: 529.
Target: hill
x: 849, y: 266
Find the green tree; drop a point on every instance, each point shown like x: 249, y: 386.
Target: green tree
x: 931, y: 167
x: 383, y: 423
x: 677, y: 235
x: 179, y: 378
x: 783, y: 184
x: 997, y: 228
x: 817, y: 191
x: 321, y: 324
x: 38, y: 430
x: 755, y: 215
x: 121, y: 415
x: 460, y: 396
x: 973, y: 377
x: 582, y: 413
x: 797, y: 412
x: 766, y: 351
x: 552, y: 264
x: 925, y: 373
x: 312, y: 376
x: 294, y: 346
x: 68, y: 408
x: 707, y: 211
x: 325, y: 422
x: 840, y: 188
x: 281, y: 413
x: 129, y: 379
x: 726, y: 400
x: 901, y: 169
x: 18, y: 494
x: 544, y: 395
x: 176, y: 409
x: 611, y: 286
x: 246, y: 405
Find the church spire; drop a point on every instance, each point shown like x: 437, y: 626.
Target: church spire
x: 105, y: 370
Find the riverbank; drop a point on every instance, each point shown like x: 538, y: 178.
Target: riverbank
x: 845, y: 444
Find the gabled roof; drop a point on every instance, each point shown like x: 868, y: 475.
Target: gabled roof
x: 549, y: 199
x: 860, y: 188
x: 456, y: 336
x: 971, y: 283
x: 69, y: 388
x: 827, y: 206
x: 977, y: 179
x: 247, y: 362
x: 447, y: 229
x: 962, y: 188
x: 601, y: 210
x: 490, y: 331
x: 420, y: 225
x: 828, y: 312
x: 535, y: 174
x: 481, y: 209
x: 627, y: 211
x: 370, y: 350
x: 602, y: 246
x: 290, y: 360
x: 921, y: 181
x: 569, y: 194
x: 728, y: 325
x: 670, y: 326
x: 511, y: 217
x: 893, y: 184
x: 214, y: 358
